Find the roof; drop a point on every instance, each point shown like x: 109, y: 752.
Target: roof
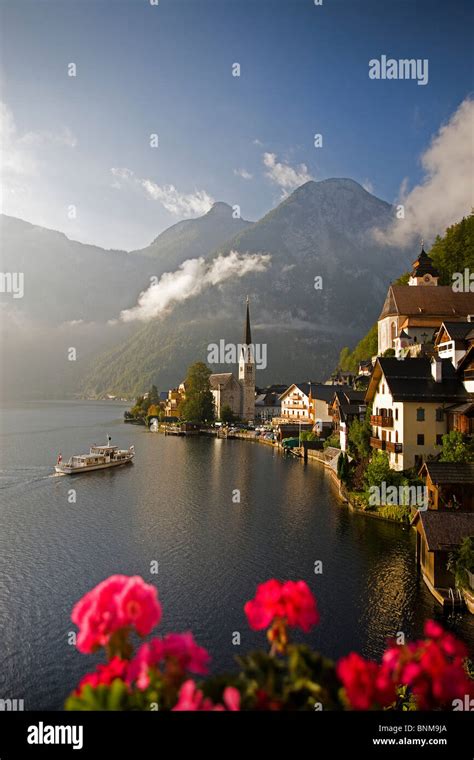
x: 411, y: 380
x: 458, y: 330
x: 247, y: 333
x: 435, y: 300
x: 424, y: 265
x: 221, y: 378
x: 445, y: 531
x: 449, y: 472
x: 318, y: 390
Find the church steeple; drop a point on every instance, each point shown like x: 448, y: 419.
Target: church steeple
x: 247, y: 333
x: 424, y: 272
x: 247, y: 371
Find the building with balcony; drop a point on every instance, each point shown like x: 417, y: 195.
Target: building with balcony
x: 410, y: 402
x: 308, y: 403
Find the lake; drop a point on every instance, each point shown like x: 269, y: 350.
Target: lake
x: 175, y: 506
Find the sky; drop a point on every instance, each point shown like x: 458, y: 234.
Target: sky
x: 76, y: 152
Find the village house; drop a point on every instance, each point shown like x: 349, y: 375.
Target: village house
x: 410, y: 399
x: 347, y: 405
x: 308, y: 403
x: 450, y: 485
x: 174, y: 400
x: 438, y: 533
x: 268, y: 402
x: 453, y: 340
x: 412, y: 314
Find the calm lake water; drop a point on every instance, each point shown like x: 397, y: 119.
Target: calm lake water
x: 174, y: 506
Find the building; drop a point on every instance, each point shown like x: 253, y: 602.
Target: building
x: 308, y: 403
x: 419, y: 308
x: 453, y: 339
x: 226, y: 391
x: 174, y: 400
x: 437, y: 535
x: 238, y: 394
x: 268, y: 402
x: 347, y: 405
x: 450, y: 485
x: 410, y: 399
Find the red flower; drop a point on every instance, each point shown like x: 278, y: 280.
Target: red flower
x: 367, y: 684
x: 179, y: 647
x: 190, y: 698
x: 291, y: 602
x: 105, y: 674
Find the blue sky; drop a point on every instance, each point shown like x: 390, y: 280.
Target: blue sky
x: 167, y: 69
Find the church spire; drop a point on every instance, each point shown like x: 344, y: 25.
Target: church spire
x: 247, y: 333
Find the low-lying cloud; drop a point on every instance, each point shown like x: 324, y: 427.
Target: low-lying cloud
x: 180, y: 204
x: 445, y: 194
x: 192, y: 277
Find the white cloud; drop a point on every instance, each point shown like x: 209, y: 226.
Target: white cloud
x: 177, y: 203
x: 192, y: 277
x: 20, y: 158
x: 284, y: 175
x: 446, y: 192
x: 243, y: 173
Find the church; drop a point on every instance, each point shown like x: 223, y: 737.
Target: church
x: 413, y: 313
x: 238, y: 394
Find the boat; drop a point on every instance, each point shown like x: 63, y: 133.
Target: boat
x: 98, y: 458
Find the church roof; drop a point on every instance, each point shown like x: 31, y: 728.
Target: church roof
x: 220, y: 378
x: 247, y: 333
x: 441, y: 301
x: 424, y: 265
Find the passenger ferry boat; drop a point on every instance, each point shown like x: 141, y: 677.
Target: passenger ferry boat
x: 98, y: 458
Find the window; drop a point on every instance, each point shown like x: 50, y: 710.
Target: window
x: 420, y: 414
x: 439, y: 439
x: 420, y: 439
x: 396, y: 414
x: 439, y: 415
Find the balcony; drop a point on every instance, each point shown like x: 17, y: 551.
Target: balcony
x: 391, y: 446
x: 381, y: 420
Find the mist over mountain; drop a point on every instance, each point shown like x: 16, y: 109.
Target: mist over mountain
x: 322, y: 230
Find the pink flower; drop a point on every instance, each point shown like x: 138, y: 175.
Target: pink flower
x: 367, y: 684
x: 292, y: 602
x: 117, y: 602
x: 190, y: 698
x: 181, y: 648
x: 105, y: 674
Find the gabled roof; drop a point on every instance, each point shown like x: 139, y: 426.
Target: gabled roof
x: 449, y: 472
x: 445, y: 531
x: 411, y: 380
x: 439, y: 300
x: 220, y: 378
x: 318, y: 390
x: 460, y: 332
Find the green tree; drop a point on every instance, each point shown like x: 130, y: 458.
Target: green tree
x: 227, y: 415
x: 462, y: 561
x: 365, y: 349
x: 358, y: 437
x: 378, y: 470
x: 154, y: 396
x: 198, y: 405
x: 457, y: 448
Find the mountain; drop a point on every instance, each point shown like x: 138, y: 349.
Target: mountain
x: 195, y: 237
x: 323, y: 229
x: 72, y: 290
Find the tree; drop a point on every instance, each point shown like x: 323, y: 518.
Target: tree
x: 343, y: 468
x: 358, y: 437
x: 154, y: 396
x: 461, y: 562
x: 456, y: 448
x: 198, y: 405
x: 227, y: 415
x: 389, y: 352
x: 378, y: 470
